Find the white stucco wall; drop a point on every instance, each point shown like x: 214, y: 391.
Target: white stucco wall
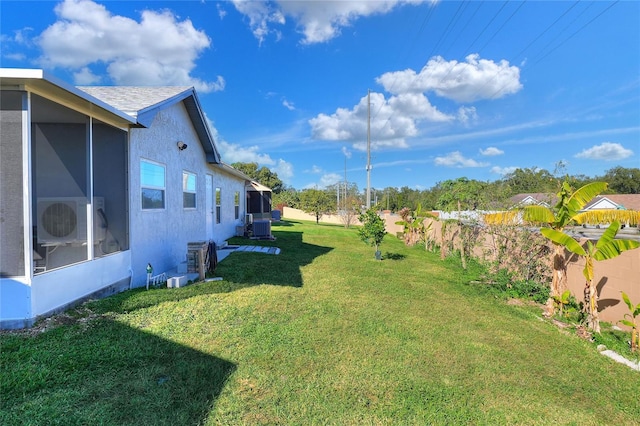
x: 160, y: 237
x: 228, y: 186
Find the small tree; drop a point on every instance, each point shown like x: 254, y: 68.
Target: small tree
x: 373, y: 230
x: 317, y: 202
x: 349, y: 210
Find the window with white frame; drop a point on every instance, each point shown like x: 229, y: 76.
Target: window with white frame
x: 218, y: 205
x: 236, y: 201
x: 188, y: 190
x: 152, y: 181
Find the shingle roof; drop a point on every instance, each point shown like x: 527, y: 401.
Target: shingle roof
x: 628, y: 201
x: 143, y: 103
x: 538, y: 197
x: 131, y: 99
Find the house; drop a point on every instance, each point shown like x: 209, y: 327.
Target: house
x: 538, y: 198
x: 96, y: 183
x: 614, y: 201
x: 258, y: 200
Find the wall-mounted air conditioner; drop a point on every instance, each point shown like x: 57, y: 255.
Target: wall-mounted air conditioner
x: 262, y: 228
x: 63, y: 220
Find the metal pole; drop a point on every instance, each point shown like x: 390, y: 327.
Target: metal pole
x: 368, y: 149
x: 344, y: 198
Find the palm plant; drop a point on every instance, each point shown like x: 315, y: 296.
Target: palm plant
x: 415, y: 229
x: 607, y: 247
x: 562, y: 300
x: 568, y: 207
x: 632, y: 321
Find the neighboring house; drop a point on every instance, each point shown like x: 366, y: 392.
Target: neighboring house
x: 600, y: 202
x: 258, y: 200
x: 538, y: 198
x: 98, y: 182
x: 614, y: 201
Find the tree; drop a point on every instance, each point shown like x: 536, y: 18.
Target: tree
x: 373, y: 230
x: 261, y: 175
x: 461, y: 194
x: 288, y: 197
x: 349, y: 209
x: 607, y: 247
x: 622, y: 180
x: 317, y: 202
x: 530, y: 180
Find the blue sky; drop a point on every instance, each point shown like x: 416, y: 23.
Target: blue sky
x: 472, y: 89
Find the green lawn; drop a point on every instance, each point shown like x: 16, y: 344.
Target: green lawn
x: 320, y: 334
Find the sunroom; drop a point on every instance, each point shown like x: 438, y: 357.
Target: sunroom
x: 63, y: 196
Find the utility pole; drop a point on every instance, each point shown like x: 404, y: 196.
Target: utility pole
x: 344, y: 198
x: 368, y: 149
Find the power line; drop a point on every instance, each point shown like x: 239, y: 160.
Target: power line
x: 566, y: 27
x: 579, y: 29
x: 561, y: 43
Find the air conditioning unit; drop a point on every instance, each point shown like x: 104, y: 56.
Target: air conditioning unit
x: 248, y: 218
x: 63, y: 220
x: 262, y: 228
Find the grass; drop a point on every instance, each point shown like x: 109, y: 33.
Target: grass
x: 320, y: 334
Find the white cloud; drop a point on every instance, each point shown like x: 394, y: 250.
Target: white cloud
x: 491, y: 151
x: 317, y: 21
x: 85, y: 77
x: 503, y: 170
x: 284, y: 170
x: 158, y: 50
x: 608, y: 151
x: 221, y: 12
x: 234, y: 153
x: 15, y: 56
x: 261, y: 14
x: 346, y: 152
x: 456, y: 159
x: 329, y: 179
x: 392, y: 120
x: 288, y: 105
x: 467, y: 115
x: 314, y: 169
x: 461, y: 81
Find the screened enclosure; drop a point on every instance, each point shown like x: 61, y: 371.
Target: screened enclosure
x: 78, y: 185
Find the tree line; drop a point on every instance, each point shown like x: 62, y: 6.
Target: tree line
x: 453, y: 194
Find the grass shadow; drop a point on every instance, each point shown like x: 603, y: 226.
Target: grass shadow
x: 238, y: 270
x: 393, y: 256
x: 104, y: 372
x: 247, y: 268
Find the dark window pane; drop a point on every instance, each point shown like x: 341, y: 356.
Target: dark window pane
x: 189, y: 200
x: 152, y: 198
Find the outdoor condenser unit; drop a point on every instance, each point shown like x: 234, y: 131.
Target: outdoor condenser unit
x: 64, y: 220
x: 262, y: 228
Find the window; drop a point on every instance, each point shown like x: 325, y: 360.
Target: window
x: 236, y: 201
x: 152, y: 179
x: 218, y: 202
x: 188, y: 190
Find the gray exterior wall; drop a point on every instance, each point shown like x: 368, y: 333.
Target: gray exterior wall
x: 160, y: 237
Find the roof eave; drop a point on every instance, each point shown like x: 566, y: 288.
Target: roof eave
x: 190, y: 100
x: 43, y: 83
